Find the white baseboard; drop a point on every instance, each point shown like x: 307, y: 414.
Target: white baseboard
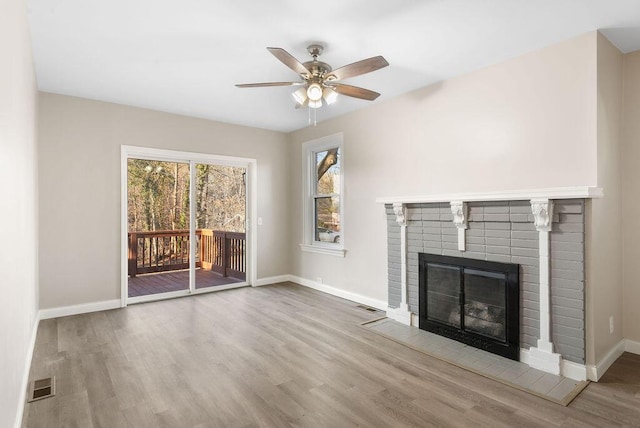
x: 272, y: 280
x: 27, y: 370
x: 79, y: 309
x: 595, y: 372
x: 354, y: 297
x: 116, y: 303
x: 632, y: 346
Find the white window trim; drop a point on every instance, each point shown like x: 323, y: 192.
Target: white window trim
x: 309, y: 244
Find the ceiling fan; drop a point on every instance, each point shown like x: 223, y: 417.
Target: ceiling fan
x: 320, y: 82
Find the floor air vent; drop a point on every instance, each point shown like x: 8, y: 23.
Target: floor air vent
x: 42, y: 388
x: 367, y: 308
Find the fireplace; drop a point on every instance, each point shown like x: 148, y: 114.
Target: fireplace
x: 475, y: 302
x: 540, y: 231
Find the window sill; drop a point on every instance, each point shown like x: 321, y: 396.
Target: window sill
x: 336, y: 252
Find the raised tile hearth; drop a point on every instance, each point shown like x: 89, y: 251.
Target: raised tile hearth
x: 555, y: 388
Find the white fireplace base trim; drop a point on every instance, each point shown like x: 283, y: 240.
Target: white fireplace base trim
x: 401, y: 314
x: 568, y: 369
x: 543, y: 360
x: 573, y: 370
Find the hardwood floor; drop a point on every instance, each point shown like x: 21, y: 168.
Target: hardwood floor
x: 281, y: 355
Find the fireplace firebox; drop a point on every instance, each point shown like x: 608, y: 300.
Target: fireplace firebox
x: 475, y: 302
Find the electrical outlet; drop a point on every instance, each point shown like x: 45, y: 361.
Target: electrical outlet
x: 319, y: 280
x: 611, y: 324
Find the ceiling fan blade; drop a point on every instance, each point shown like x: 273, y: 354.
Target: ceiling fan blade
x: 354, y: 91
x: 357, y: 68
x: 289, y: 60
x: 262, y: 85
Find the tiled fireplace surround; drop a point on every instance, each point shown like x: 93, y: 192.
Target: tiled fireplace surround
x: 541, y: 230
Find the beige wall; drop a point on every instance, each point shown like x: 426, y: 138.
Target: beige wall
x: 79, y: 149
x: 529, y: 122
x: 604, y: 232
x: 18, y: 215
x: 631, y: 200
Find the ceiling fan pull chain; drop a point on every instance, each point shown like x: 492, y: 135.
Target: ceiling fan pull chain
x: 309, y: 114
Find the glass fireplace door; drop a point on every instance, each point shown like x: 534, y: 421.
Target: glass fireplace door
x: 484, y: 303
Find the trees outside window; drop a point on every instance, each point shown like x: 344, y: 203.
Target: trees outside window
x: 327, y: 195
x: 158, y: 196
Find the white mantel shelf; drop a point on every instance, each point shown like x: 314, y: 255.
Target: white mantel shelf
x: 580, y: 192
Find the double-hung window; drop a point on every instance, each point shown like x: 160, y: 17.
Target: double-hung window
x: 323, y: 211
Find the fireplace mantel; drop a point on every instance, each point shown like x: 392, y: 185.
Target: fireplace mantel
x: 579, y: 192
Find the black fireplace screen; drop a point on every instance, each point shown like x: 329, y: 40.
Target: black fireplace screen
x: 472, y: 301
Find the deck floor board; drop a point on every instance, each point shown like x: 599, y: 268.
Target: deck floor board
x: 164, y: 282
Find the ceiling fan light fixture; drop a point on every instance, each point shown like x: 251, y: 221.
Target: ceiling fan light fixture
x: 315, y: 103
x: 329, y: 95
x: 314, y: 92
x: 300, y: 96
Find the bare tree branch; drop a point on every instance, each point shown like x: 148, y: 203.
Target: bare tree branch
x: 329, y: 160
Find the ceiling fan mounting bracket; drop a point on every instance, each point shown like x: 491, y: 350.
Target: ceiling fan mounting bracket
x: 317, y: 68
x: 315, y: 50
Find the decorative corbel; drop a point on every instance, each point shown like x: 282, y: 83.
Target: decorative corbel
x: 459, y: 211
x: 400, y: 210
x: 542, y: 214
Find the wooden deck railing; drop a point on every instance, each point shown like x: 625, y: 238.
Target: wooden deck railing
x: 167, y: 250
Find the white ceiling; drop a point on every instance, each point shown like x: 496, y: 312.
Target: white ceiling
x: 184, y: 56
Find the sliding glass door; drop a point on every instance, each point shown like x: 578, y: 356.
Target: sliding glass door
x: 158, y: 226
x: 221, y: 208
x: 186, y: 224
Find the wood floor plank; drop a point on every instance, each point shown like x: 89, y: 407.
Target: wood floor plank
x: 282, y: 356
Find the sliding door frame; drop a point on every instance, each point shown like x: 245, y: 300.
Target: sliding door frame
x: 148, y: 153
